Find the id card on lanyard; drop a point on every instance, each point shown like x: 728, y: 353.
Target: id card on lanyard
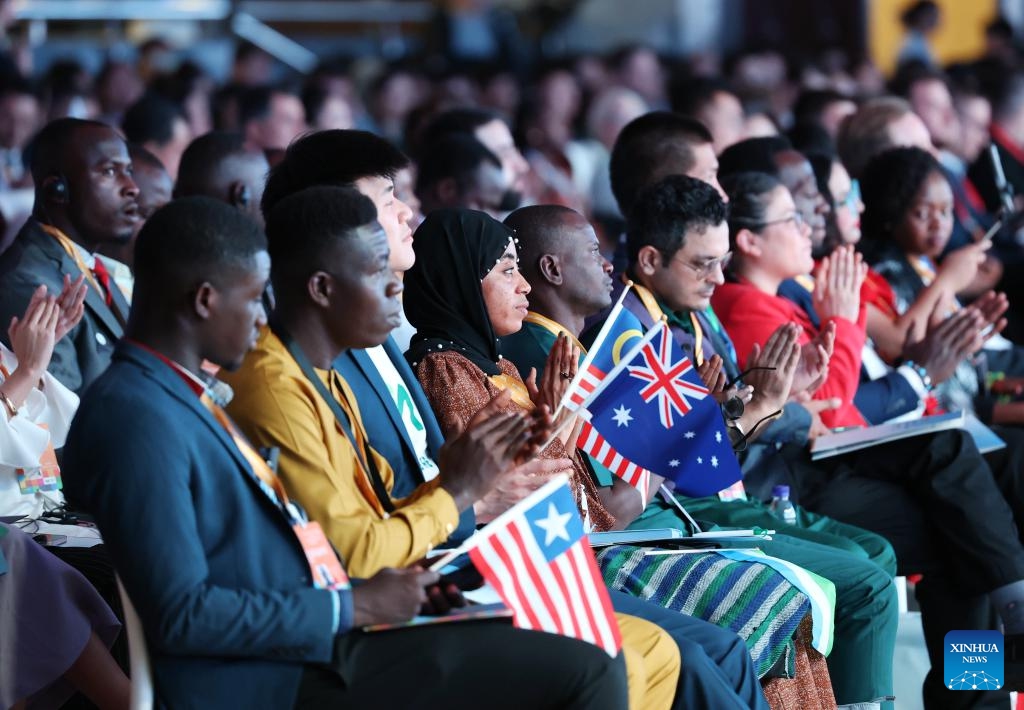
x: 44, y: 478
x: 324, y: 565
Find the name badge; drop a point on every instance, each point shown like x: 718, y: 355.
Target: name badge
x: 324, y: 564
x: 44, y: 478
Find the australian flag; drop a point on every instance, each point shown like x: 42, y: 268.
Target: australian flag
x: 654, y: 411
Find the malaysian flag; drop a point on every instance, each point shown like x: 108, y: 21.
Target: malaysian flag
x: 537, y: 557
x: 592, y: 443
x: 654, y: 412
x: 621, y: 328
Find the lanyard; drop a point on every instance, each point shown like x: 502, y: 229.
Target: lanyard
x: 553, y: 327
x: 363, y: 453
x: 72, y: 251
x: 651, y: 304
x: 259, y: 466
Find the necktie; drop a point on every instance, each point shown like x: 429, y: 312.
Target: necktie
x: 103, y: 276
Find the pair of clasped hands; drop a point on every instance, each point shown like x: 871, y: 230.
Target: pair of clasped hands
x: 782, y: 370
x: 490, y: 464
x: 47, y: 319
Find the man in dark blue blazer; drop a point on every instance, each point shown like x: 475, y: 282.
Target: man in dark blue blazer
x: 85, y: 197
x: 387, y: 429
x: 228, y: 575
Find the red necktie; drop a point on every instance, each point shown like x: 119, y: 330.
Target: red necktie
x: 103, y: 276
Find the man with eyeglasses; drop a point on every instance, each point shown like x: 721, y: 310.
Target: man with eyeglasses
x: 678, y: 243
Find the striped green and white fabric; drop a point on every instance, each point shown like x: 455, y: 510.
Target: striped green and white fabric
x: 743, y: 592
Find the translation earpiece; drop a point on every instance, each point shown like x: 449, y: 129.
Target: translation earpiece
x: 56, y: 188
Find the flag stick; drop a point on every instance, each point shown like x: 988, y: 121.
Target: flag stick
x: 594, y: 348
x: 557, y: 432
x: 675, y: 501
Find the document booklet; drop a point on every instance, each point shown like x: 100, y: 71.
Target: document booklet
x: 634, y: 537
x: 843, y: 442
x: 472, y: 612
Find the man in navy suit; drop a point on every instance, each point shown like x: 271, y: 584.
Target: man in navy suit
x: 85, y: 197
x: 242, y: 602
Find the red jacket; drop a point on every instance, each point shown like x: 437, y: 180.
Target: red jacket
x: 751, y: 316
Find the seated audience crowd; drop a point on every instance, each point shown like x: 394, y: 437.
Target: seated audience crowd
x: 269, y: 349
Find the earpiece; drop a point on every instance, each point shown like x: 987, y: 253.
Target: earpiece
x: 241, y: 195
x: 56, y: 187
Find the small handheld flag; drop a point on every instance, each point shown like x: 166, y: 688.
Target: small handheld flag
x: 537, y: 557
x: 654, y: 412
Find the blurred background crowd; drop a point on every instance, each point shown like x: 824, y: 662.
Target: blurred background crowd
x: 566, y: 74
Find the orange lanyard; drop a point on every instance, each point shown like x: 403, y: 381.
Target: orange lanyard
x: 259, y: 466
x: 72, y: 250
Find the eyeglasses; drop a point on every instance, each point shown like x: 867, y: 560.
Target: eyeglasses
x: 708, y: 268
x: 796, y: 218
x: 852, y: 198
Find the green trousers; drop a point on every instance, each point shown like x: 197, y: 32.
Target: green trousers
x: 861, y: 564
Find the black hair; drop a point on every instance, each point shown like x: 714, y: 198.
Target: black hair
x: 303, y: 225
x: 1000, y: 28
x: 455, y: 156
x: 914, y: 72
x: 202, y: 159
x: 891, y: 180
x: 191, y: 241
x: 50, y: 148
x: 689, y: 95
x: 649, y: 146
x: 245, y: 49
x: 748, y: 200
x: 921, y: 13
x: 753, y: 155
x: 538, y: 231
x: 333, y: 157
x: 253, y: 104
x: 811, y: 104
x: 314, y: 96
x: 457, y: 120
x: 141, y: 156
x: 151, y: 118
x: 666, y: 211
x: 1006, y: 90
x: 808, y: 137
x: 17, y: 86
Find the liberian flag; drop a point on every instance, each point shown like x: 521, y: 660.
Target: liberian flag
x: 537, y: 557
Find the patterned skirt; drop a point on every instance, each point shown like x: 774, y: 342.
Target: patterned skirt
x: 749, y: 598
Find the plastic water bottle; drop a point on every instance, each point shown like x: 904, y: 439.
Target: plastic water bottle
x: 782, y: 506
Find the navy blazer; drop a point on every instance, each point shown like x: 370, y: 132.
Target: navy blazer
x: 384, y: 425
x: 878, y: 400
x: 37, y: 258
x: 209, y: 560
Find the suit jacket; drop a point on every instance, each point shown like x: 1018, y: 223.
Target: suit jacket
x: 37, y: 258
x: 211, y: 563
x: 384, y: 425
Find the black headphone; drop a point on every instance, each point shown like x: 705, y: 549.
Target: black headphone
x: 241, y: 195
x: 56, y: 187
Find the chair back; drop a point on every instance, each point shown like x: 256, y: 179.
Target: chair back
x: 138, y: 655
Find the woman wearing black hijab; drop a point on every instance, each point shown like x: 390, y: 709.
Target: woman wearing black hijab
x: 463, y: 295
